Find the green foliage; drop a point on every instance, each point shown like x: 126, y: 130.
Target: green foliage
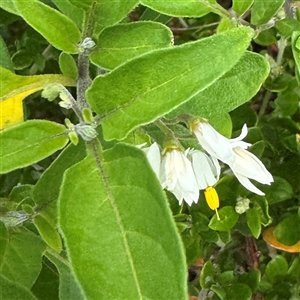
x: 89, y: 219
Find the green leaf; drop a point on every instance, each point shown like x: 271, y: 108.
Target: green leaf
x: 146, y: 82
x: 67, y: 65
x: 55, y: 27
x: 122, y: 42
x: 29, y: 142
x: 279, y: 190
x: 276, y: 269
x: 13, y: 290
x: 266, y: 37
x: 287, y: 231
x: 106, y: 13
x: 253, y: 221
x: 228, y: 218
x: 5, y: 60
x: 246, y: 77
x: 241, y: 6
x: 287, y: 26
x: 48, y: 233
x: 19, y: 266
x: 207, y: 275
x: 118, y: 206
x: 238, y: 291
x: 178, y: 8
x: 262, y: 207
x: 295, y: 48
x: 68, y: 285
x: 263, y: 11
x: 71, y: 11
x: 217, y: 289
x: 251, y: 278
x: 3, y: 241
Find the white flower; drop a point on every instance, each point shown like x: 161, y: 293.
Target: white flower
x: 177, y: 176
x: 244, y: 164
x: 206, y: 169
x: 154, y: 158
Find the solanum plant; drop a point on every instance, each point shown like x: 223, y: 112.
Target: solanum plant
x: 150, y: 149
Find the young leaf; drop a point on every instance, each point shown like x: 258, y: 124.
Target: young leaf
x: 29, y: 142
x: 153, y: 84
x: 276, y: 269
x: 253, y: 221
x: 122, y: 42
x: 118, y: 229
x: 179, y: 8
x: 263, y: 11
x: 67, y: 65
x: 55, y: 27
x: 19, y: 266
x: 295, y: 48
x: 241, y: 6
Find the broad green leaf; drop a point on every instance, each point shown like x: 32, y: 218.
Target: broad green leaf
x: 266, y: 37
x: 14, y: 88
x: 207, y: 275
x: 253, y: 221
x: 13, y: 290
x: 263, y: 11
x: 106, y: 13
x: 118, y: 207
x: 238, y: 291
x: 245, y: 77
x: 295, y: 48
x: 287, y: 231
x: 179, y: 8
x: 23, y: 258
x: 5, y: 60
x: 68, y: 287
x: 123, y: 42
x: 46, y: 190
x: 294, y: 269
x: 153, y: 84
x: 228, y: 218
x: 276, y: 269
x: 55, y: 27
x: 67, y: 65
x: 29, y: 142
x: 72, y: 12
x: 241, y: 6
x: 48, y: 233
x: 280, y: 190
x: 152, y: 15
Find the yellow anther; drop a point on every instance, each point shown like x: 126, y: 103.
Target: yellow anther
x: 212, y: 199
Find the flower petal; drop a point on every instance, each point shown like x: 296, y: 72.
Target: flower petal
x: 154, y: 158
x: 204, y: 170
x: 250, y: 166
x: 248, y: 184
x: 214, y: 143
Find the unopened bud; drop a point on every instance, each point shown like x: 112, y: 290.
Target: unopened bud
x: 86, y: 131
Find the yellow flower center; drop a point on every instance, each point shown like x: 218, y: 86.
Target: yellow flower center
x: 212, y: 199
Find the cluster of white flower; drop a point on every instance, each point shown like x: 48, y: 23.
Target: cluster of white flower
x: 185, y: 173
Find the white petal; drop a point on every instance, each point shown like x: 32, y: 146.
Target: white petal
x: 204, y: 170
x: 214, y: 143
x: 248, y: 184
x: 153, y: 155
x: 247, y: 164
x: 237, y: 142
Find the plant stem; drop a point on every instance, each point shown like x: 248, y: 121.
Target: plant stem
x: 264, y: 104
